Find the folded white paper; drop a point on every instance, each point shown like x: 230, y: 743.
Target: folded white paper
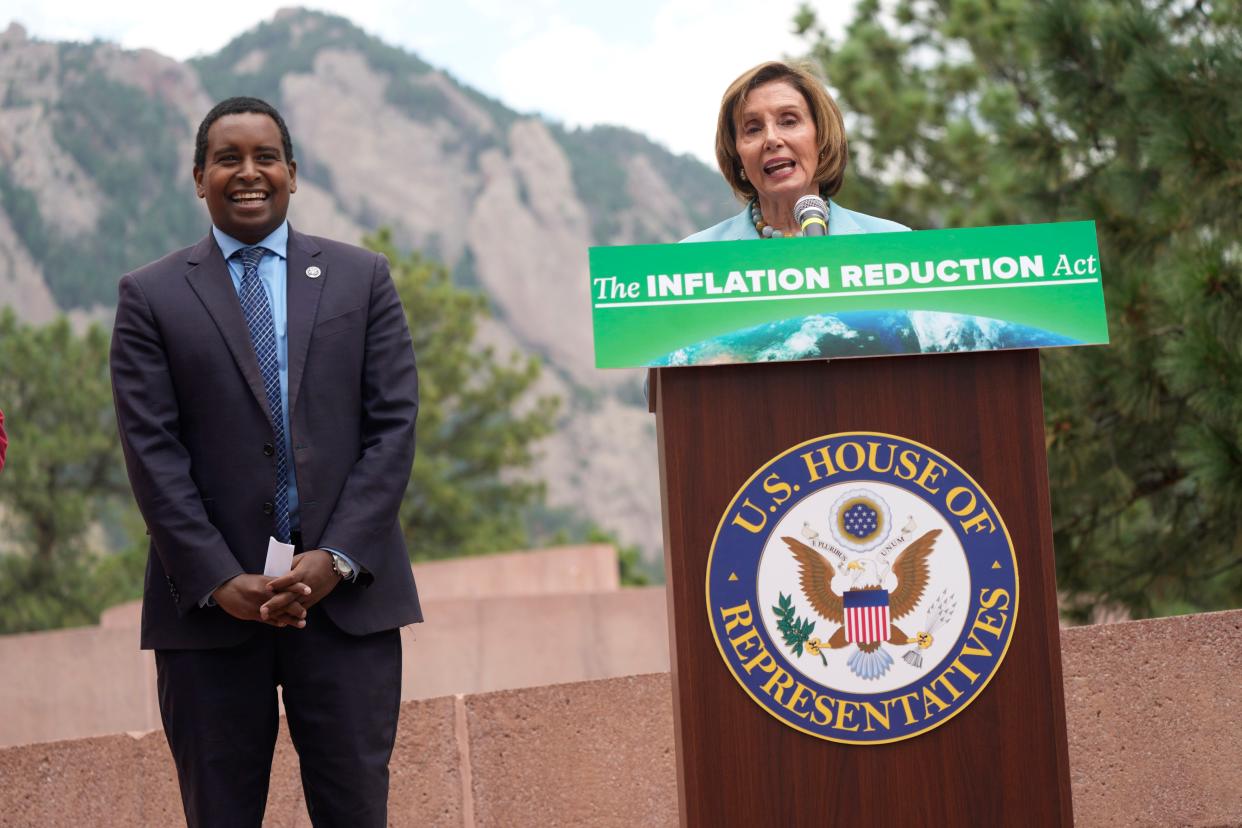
x: 279, y: 558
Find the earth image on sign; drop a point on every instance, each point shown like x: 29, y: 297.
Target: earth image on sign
x: 862, y: 588
x: 862, y: 333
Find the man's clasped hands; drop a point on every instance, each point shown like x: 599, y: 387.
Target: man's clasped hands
x: 282, y: 601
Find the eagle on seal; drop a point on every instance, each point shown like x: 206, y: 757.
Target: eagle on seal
x: 912, y: 572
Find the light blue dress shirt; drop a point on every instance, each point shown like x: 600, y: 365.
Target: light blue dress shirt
x: 273, y: 270
x: 273, y: 273
x: 841, y: 222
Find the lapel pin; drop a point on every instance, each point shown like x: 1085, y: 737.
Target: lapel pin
x: 313, y: 272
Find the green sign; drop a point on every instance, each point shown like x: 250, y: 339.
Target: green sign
x: 877, y: 294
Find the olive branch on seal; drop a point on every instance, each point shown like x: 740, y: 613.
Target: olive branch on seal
x: 796, y: 631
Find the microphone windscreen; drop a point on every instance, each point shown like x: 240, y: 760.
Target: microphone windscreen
x: 811, y: 213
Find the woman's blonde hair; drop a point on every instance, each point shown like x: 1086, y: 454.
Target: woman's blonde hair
x: 829, y: 126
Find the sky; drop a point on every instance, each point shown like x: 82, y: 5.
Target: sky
x: 656, y: 66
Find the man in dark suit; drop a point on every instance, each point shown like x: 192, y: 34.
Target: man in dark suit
x: 265, y: 387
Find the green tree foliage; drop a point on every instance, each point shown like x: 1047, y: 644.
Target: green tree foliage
x: 63, y: 477
x: 477, y: 421
x: 980, y: 112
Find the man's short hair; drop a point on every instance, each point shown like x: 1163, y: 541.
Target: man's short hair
x: 238, y: 106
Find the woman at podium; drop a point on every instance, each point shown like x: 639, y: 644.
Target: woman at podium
x: 780, y: 143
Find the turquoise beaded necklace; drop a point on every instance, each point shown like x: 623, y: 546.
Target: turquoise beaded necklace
x: 765, y: 230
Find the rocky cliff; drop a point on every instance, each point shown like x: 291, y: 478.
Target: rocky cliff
x: 95, y: 158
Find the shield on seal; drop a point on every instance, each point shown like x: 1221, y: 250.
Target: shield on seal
x: 866, y: 615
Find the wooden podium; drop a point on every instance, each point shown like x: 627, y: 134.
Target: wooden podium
x: 1004, y: 760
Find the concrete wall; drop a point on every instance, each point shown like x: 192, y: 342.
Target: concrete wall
x: 495, y: 630
x: 471, y: 646
x: 91, y: 681
x: 581, y: 569
x: 1154, y: 712
x: 69, y: 683
x: 558, y: 570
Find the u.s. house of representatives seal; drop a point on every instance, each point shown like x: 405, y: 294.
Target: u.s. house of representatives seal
x: 862, y: 588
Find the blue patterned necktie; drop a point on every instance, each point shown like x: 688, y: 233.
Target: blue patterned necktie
x: 263, y: 334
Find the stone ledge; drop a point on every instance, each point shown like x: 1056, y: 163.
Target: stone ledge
x: 596, y: 753
x: 468, y: 645
x: 1154, y: 711
x: 1154, y: 715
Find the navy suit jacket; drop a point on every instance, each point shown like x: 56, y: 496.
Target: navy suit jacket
x: 197, y: 435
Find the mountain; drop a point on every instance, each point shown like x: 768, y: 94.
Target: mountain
x: 96, y: 147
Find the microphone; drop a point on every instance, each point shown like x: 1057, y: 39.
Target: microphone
x: 811, y: 213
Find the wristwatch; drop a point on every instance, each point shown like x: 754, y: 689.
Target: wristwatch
x: 341, y: 567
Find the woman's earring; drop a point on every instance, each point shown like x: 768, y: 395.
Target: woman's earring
x: 742, y: 173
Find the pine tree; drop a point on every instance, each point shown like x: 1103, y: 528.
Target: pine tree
x: 63, y: 476
x: 1127, y: 112
x: 477, y: 422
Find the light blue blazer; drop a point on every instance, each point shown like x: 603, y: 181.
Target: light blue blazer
x: 840, y: 222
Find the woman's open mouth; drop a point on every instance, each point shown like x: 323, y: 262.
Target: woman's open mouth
x: 779, y: 167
